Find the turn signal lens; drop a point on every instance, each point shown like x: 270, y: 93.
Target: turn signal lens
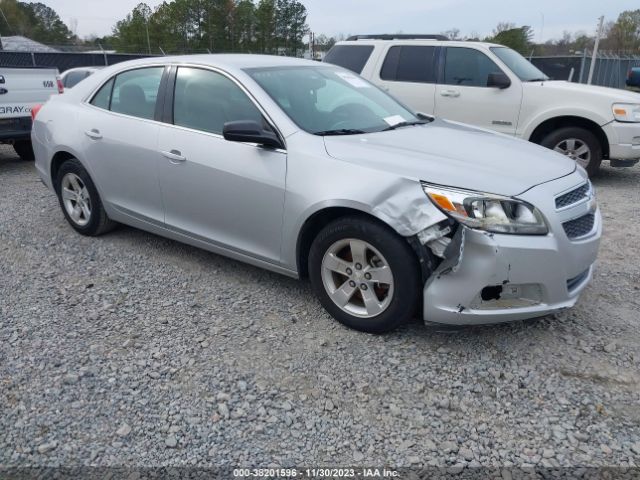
x: 626, y: 112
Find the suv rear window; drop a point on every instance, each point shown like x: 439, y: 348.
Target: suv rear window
x: 353, y: 57
x: 410, y: 64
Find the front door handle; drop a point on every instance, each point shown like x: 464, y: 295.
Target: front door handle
x: 175, y: 156
x: 450, y: 93
x: 93, y: 133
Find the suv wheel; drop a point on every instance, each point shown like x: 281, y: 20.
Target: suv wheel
x: 365, y: 275
x: 577, y: 143
x: 24, y: 149
x: 80, y: 201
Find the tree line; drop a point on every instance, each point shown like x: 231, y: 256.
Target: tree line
x: 621, y: 36
x: 33, y: 20
x: 268, y: 26
x: 265, y: 26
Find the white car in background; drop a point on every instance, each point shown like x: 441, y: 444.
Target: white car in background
x: 494, y: 87
x: 70, y: 78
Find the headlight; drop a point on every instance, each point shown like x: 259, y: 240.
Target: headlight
x: 485, y: 211
x: 626, y: 112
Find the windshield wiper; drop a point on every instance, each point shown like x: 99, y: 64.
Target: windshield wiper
x: 339, y: 131
x: 541, y: 79
x: 405, y: 124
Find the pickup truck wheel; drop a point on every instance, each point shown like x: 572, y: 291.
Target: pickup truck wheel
x: 80, y: 201
x: 577, y: 143
x: 24, y: 150
x: 364, y: 274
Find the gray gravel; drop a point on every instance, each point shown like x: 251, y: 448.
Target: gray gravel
x: 134, y: 350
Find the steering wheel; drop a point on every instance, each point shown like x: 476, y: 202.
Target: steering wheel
x: 342, y: 124
x: 345, y: 112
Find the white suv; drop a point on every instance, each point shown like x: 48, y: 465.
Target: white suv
x: 494, y: 87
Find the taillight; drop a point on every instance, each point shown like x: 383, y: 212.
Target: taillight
x: 60, y: 86
x: 34, y: 111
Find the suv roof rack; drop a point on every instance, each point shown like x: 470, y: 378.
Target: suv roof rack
x: 398, y: 36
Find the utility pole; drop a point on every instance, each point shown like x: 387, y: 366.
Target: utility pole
x: 594, y: 57
x: 148, y: 41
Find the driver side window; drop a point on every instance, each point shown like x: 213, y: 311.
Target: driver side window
x: 206, y: 100
x: 467, y: 67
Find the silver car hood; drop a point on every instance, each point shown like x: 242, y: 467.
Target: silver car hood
x: 449, y: 153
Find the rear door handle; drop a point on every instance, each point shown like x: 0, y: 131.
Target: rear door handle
x: 93, y: 133
x: 175, y: 156
x: 450, y: 93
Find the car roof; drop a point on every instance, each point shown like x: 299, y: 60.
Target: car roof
x: 404, y: 41
x: 229, y: 60
x: 88, y: 67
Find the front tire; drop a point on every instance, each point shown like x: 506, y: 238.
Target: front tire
x: 24, y: 149
x: 577, y: 143
x: 80, y: 201
x: 364, y: 274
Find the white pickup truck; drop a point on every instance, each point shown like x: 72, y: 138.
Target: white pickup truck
x: 494, y: 87
x: 21, y: 89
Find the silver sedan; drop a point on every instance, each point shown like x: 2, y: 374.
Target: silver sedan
x: 308, y: 170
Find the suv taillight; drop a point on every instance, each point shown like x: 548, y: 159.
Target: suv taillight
x: 34, y: 111
x: 60, y: 86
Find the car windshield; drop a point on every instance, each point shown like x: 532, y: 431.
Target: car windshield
x: 331, y: 101
x: 523, y: 68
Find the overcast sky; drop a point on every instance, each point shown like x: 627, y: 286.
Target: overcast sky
x: 391, y: 16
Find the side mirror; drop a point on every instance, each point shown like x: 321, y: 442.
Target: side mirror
x: 251, y: 132
x: 498, y: 80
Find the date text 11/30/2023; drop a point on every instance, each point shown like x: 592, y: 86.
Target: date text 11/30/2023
x: 286, y: 473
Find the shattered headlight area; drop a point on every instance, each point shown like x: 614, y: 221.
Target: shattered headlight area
x: 484, y: 211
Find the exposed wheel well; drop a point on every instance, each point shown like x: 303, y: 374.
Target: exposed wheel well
x: 552, y: 124
x: 312, y: 227
x: 58, y: 159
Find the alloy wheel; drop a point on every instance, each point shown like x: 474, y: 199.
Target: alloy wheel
x: 357, y: 278
x: 575, y: 149
x: 76, y: 199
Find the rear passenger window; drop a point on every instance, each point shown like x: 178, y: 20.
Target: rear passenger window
x: 102, y: 98
x: 410, y: 64
x: 353, y: 57
x: 206, y: 100
x: 135, y: 92
x: 468, y: 67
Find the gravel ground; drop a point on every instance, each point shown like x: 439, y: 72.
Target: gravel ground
x: 134, y: 350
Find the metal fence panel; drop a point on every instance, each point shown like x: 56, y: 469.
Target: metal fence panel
x: 63, y: 61
x: 610, y: 70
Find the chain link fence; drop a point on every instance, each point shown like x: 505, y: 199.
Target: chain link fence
x: 64, y: 60
x: 610, y: 69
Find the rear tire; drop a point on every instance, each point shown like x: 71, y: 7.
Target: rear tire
x: 80, y: 201
x: 24, y: 149
x: 577, y: 143
x: 369, y: 269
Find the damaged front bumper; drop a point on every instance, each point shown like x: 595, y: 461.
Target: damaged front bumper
x: 490, y: 278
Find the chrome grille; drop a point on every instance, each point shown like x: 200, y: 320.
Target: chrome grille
x: 580, y: 226
x: 574, y: 196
